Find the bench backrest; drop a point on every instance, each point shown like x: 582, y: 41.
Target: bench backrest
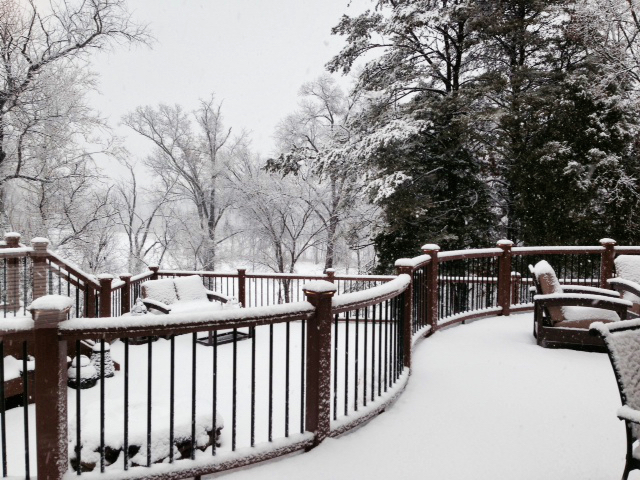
x: 172, y: 290
x: 622, y: 340
x: 628, y: 268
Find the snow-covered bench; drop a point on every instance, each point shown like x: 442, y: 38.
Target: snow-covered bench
x: 181, y: 295
x: 188, y: 294
x: 563, y: 313
x: 622, y: 340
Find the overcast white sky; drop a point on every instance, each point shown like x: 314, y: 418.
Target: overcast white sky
x: 253, y: 54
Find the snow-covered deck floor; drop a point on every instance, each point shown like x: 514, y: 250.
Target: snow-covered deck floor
x: 483, y: 402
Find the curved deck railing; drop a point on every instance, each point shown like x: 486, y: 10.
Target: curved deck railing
x: 285, y: 389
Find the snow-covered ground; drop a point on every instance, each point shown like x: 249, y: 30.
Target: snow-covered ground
x: 483, y: 402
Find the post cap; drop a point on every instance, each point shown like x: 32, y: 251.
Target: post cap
x: 319, y: 286
x: 125, y: 275
x: 40, y: 242
x: 242, y: 268
x: 12, y: 239
x: 607, y: 241
x: 330, y: 270
x: 58, y: 303
x: 504, y: 243
x: 432, y: 247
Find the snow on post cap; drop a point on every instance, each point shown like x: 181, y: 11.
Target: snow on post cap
x: 51, y: 302
x: 430, y: 246
x: 412, y: 262
x: 126, y: 274
x: 319, y: 286
x: 504, y: 242
x: 242, y: 267
x: 12, y: 235
x: 39, y: 240
x: 104, y: 276
x: 330, y: 270
x: 607, y: 241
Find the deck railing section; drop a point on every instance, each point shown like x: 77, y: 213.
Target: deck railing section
x: 328, y: 353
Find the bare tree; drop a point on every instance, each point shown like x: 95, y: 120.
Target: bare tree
x: 141, y: 214
x: 281, y: 212
x: 43, y: 79
x: 196, y: 160
x: 305, y: 137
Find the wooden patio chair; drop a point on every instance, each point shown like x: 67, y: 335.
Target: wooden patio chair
x: 627, y: 281
x: 563, y: 313
x: 622, y: 340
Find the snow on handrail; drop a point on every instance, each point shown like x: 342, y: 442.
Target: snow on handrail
x: 226, y: 318
x: 363, y: 298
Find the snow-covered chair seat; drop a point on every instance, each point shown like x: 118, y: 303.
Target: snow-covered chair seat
x: 182, y: 295
x: 563, y: 313
x: 627, y: 281
x: 622, y: 340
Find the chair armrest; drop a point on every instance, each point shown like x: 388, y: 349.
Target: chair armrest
x: 629, y: 414
x: 594, y: 290
x: 162, y: 307
x: 622, y: 285
x: 211, y: 296
x: 583, y: 300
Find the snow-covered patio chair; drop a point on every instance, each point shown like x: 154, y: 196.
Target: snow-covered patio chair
x: 189, y: 295
x: 627, y: 281
x: 563, y: 313
x: 622, y: 340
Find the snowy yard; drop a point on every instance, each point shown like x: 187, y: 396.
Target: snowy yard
x: 483, y: 402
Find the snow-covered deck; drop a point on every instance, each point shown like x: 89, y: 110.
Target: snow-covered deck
x: 483, y: 402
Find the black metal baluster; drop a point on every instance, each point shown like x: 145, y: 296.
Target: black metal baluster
x: 270, y: 382
x: 373, y: 351
x: 149, y: 392
x: 194, y: 338
x: 126, y: 404
x: 286, y: 381
x: 355, y: 366
x: 234, y: 391
x: 380, y: 350
x: 25, y: 404
x: 366, y: 348
x: 302, y: 367
x: 172, y: 390
x: 253, y: 388
x: 214, y: 414
x: 346, y: 364
x: 387, y: 366
x: 335, y: 368
x: 101, y: 405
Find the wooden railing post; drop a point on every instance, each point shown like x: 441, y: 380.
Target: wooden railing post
x: 431, y: 285
x: 516, y: 283
x: 125, y: 298
x: 105, y: 294
x: 12, y: 240
x: 318, y: 368
x: 407, y: 326
x: 504, y: 276
x: 331, y: 275
x: 242, y: 286
x: 154, y: 269
x: 606, y: 265
x: 39, y: 256
x: 51, y: 385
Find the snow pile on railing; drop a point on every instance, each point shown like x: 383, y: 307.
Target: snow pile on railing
x: 350, y: 301
x: 413, y: 262
x: 151, y: 321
